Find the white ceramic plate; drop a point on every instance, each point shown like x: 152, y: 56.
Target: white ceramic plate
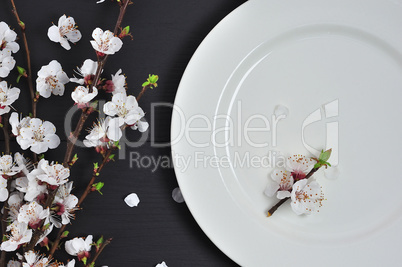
x: 337, y: 67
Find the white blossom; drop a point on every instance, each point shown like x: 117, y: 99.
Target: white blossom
x: 281, y: 184
x: 7, y: 97
x: 105, y: 42
x: 162, y: 264
x: 51, y: 79
x: 126, y: 108
x: 299, y: 166
x: 306, y: 197
x: 32, y: 214
x: 20, y: 234
x: 82, y: 96
x: 7, y: 63
x: 65, y: 203
x: 24, y: 164
x: 8, y: 167
x: 17, y: 124
x: 87, y: 71
x: 3, y: 189
x: 65, y: 31
x: 69, y: 264
x: 53, y: 174
x: 14, y: 205
x: 7, y: 39
x: 33, y: 259
x: 31, y: 186
x: 118, y: 83
x: 79, y: 247
x: 38, y: 135
x: 104, y: 132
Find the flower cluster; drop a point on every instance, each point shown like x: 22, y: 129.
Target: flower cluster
x: 292, y: 182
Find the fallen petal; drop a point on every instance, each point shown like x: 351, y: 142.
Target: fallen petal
x: 132, y: 200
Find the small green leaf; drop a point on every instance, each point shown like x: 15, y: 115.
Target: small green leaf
x: 64, y: 234
x: 100, y: 241
x: 19, y: 78
x: 111, y: 157
x: 92, y: 264
x: 84, y: 260
x: 324, y: 156
x: 145, y: 84
x: 21, y: 70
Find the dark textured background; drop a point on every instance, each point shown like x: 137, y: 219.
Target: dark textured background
x: 166, y: 34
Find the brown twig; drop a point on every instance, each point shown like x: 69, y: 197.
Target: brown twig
x: 102, y: 247
x: 280, y: 202
x: 142, y: 92
x: 28, y: 58
x: 74, y: 136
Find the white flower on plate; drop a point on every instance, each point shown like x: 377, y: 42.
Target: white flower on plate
x: 104, y: 132
x: 87, y: 72
x: 105, y: 42
x: 12, y: 263
x: 64, y: 204
x: 51, y: 79
x: 20, y: 234
x: 306, y: 197
x: 7, y: 97
x: 33, y: 259
x: 65, y: 31
x: 82, y: 96
x: 79, y: 247
x: 281, y: 184
x: 299, y: 166
x: 32, y: 214
x: 7, y: 39
x: 7, y: 63
x: 125, y: 107
x: 38, y: 135
x: 52, y: 174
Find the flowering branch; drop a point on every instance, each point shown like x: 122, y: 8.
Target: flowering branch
x: 28, y: 58
x: 88, y: 190
x: 321, y: 161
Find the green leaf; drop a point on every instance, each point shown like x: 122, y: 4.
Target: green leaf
x: 19, y: 78
x: 100, y: 241
x: 324, y: 156
x: 64, y: 234
x: 96, y: 165
x: 145, y: 84
x: 21, y: 70
x: 111, y: 157
x: 84, y: 260
x: 92, y: 264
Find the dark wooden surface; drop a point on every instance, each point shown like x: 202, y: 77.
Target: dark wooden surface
x: 166, y: 34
